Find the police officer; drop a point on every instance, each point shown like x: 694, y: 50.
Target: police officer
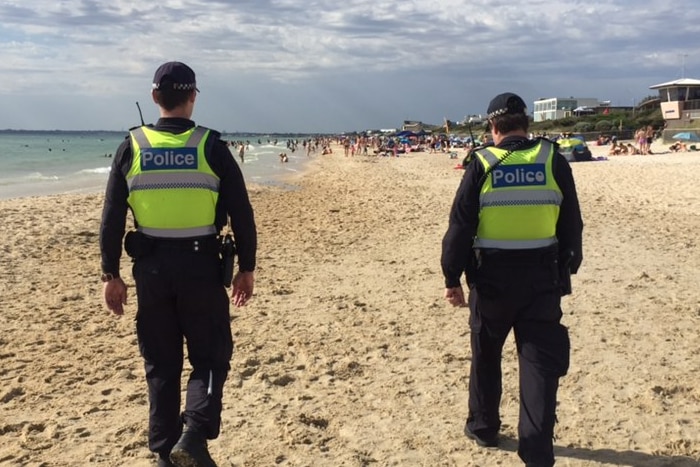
x: 182, y: 186
x: 515, y: 231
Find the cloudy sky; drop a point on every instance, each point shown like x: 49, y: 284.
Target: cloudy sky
x: 331, y: 65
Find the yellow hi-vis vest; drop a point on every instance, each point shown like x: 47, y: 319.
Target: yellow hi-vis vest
x: 172, y: 190
x: 520, y: 200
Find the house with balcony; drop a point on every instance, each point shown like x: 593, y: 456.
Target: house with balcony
x: 554, y: 108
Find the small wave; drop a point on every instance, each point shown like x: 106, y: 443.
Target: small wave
x: 34, y: 176
x: 8, y: 181
x: 99, y: 170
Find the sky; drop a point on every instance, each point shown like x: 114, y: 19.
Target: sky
x: 332, y: 66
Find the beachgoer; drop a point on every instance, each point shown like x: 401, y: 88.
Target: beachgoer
x: 515, y: 231
x: 283, y: 157
x: 181, y: 184
x: 241, y: 152
x: 649, y: 138
x: 641, y: 140
x: 678, y: 146
x: 615, y: 149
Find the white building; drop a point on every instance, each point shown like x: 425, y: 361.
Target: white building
x: 554, y: 108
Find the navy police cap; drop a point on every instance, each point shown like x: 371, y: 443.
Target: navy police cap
x: 174, y: 76
x: 506, y: 103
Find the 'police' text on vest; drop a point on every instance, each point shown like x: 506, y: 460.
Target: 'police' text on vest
x: 519, y: 175
x: 169, y: 159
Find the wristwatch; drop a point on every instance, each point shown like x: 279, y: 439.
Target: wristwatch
x: 107, y: 276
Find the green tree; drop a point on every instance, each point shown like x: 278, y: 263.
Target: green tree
x: 603, y: 125
x: 583, y: 127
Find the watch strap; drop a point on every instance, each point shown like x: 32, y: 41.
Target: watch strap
x: 108, y: 276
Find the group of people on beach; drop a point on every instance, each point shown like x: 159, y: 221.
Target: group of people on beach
x: 641, y: 144
x: 242, y: 148
x: 394, y: 146
x: 644, y: 137
x: 643, y: 147
x: 310, y: 146
x: 622, y: 149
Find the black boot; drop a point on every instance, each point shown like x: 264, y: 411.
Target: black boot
x: 487, y: 440
x: 191, y: 451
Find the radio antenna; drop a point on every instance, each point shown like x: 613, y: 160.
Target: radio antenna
x: 140, y: 114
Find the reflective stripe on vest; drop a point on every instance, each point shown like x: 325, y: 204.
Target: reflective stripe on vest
x: 172, y: 192
x: 519, y: 201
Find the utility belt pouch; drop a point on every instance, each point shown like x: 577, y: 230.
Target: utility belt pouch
x: 227, y: 253
x: 565, y: 272
x: 137, y: 245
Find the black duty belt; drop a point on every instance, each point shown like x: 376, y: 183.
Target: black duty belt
x: 208, y: 243
x: 535, y: 254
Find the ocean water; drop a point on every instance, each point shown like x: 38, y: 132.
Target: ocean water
x: 45, y: 162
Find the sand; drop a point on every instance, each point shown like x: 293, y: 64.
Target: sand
x: 348, y: 354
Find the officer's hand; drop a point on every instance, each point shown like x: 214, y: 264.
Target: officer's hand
x: 115, y: 295
x: 243, y: 283
x: 455, y: 296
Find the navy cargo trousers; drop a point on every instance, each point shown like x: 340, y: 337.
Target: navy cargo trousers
x: 181, y: 301
x: 518, y: 291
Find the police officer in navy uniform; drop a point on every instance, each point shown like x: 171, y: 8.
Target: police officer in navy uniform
x: 515, y: 232
x: 182, y: 187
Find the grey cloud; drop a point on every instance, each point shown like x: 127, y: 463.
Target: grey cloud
x: 279, y: 56
x: 16, y: 15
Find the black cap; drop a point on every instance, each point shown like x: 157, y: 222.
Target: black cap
x: 174, y: 76
x: 506, y: 103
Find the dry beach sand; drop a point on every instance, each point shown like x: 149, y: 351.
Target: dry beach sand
x: 348, y: 355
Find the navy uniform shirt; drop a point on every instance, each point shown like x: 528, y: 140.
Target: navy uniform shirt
x: 233, y: 199
x: 464, y: 217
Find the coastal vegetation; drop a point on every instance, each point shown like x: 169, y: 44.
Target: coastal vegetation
x: 616, y: 121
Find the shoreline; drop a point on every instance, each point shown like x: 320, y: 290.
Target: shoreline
x: 348, y: 354
x: 96, y: 183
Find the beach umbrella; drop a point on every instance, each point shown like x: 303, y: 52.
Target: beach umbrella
x: 686, y: 136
